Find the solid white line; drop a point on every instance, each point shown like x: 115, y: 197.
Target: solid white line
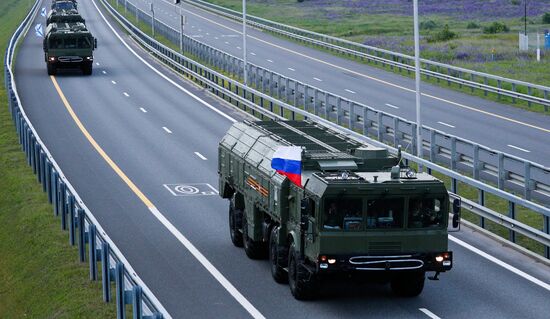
x: 126, y: 94
x: 270, y: 61
x: 317, y: 79
x: 350, y: 91
x: 252, y: 53
x: 519, y: 148
x: 167, y: 130
x: 448, y: 125
x: 500, y: 263
x: 429, y: 313
x: 104, y: 72
x: 201, y: 156
x: 114, y: 82
x: 182, y: 239
x: 392, y: 106
x: 291, y: 69
x: 143, y: 110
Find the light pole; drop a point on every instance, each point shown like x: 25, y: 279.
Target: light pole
x: 153, y: 19
x: 417, y: 80
x: 525, y: 15
x: 183, y: 20
x: 245, y: 72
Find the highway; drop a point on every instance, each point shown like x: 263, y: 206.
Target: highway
x: 128, y: 134
x: 502, y: 127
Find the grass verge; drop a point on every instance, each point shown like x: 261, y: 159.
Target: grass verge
x: 40, y: 276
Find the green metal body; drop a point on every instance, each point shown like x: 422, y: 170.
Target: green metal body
x: 64, y: 16
x: 352, y: 209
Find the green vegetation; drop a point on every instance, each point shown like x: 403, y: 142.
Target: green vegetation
x: 546, y: 18
x: 443, y: 35
x: 495, y: 27
x: 40, y: 276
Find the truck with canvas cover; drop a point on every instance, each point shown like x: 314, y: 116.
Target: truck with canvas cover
x: 319, y: 204
x: 64, y: 16
x: 69, y: 45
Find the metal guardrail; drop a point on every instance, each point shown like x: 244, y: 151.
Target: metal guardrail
x: 255, y: 101
x: 501, y: 86
x: 508, y: 172
x: 75, y: 217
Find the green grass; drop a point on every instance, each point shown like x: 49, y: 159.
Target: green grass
x: 40, y: 276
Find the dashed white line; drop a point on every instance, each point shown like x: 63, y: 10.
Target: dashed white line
x: 429, y: 313
x: 97, y: 63
x: 392, y: 106
x: 226, y: 42
x: 143, y: 110
x: 114, y: 82
x: 270, y: 61
x: 252, y: 53
x: 317, y: 79
x: 216, y: 38
x: 446, y: 124
x: 126, y: 94
x: 291, y: 69
x: 350, y: 91
x: 104, y: 72
x: 238, y: 48
x: 201, y: 156
x: 519, y: 148
x: 192, y: 27
x: 207, y: 33
x: 167, y: 130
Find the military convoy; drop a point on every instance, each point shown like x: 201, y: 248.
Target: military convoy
x: 357, y: 211
x: 67, y: 43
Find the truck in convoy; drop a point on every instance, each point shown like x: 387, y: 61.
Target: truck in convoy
x: 338, y: 207
x: 64, y: 5
x: 64, y: 16
x: 69, y: 45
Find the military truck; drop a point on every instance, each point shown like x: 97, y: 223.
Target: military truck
x: 64, y: 16
x: 64, y: 5
x: 360, y: 211
x: 69, y: 45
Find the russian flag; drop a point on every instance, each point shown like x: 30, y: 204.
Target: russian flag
x: 287, y: 160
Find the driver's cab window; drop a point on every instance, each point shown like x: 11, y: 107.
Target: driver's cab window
x: 425, y: 212
x: 343, y: 214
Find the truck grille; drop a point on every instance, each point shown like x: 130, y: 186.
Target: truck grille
x: 70, y: 59
x: 384, y: 247
x: 386, y: 263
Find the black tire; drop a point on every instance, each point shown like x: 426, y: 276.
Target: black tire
x: 408, y: 284
x: 253, y: 249
x: 278, y: 272
x: 303, y: 286
x: 52, y: 69
x: 235, y: 220
x: 86, y: 68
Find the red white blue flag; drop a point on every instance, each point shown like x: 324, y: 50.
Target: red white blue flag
x: 287, y: 160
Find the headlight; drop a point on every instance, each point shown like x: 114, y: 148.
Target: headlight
x: 51, y: 59
x: 90, y: 58
x: 331, y: 261
x: 439, y: 259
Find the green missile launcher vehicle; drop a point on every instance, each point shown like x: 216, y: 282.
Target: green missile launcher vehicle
x: 359, y: 212
x: 69, y: 45
x: 64, y: 16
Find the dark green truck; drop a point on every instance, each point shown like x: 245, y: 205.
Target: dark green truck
x: 359, y: 212
x: 64, y: 16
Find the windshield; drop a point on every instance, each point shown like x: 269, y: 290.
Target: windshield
x: 70, y: 43
x: 425, y: 212
x: 343, y: 213
x: 385, y: 213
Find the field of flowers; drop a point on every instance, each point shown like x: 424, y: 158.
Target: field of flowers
x: 388, y: 24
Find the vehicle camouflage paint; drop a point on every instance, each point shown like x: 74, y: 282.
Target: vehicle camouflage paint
x: 64, y: 16
x: 360, y: 212
x: 69, y: 45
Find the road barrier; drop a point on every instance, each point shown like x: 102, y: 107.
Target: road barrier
x: 83, y: 227
x: 347, y: 117
x: 528, y: 92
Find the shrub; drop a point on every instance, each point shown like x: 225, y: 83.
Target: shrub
x: 496, y: 27
x: 546, y: 18
x: 472, y: 25
x: 443, y: 35
x: 427, y: 25
x: 515, y: 2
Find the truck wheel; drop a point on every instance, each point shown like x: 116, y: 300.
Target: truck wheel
x: 52, y: 69
x: 253, y: 249
x: 408, y: 284
x: 235, y: 216
x: 303, y: 286
x: 86, y: 68
x: 278, y: 272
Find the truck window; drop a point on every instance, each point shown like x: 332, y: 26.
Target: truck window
x: 385, y: 213
x: 84, y: 43
x: 425, y: 212
x: 70, y: 43
x: 343, y: 214
x: 56, y: 43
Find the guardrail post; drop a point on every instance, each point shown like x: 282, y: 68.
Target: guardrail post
x: 41, y: 169
x: 54, y: 191
x: 60, y: 198
x: 105, y: 272
x: 365, y: 121
x: 530, y: 92
x: 501, y: 172
x: 48, y: 180
x: 81, y: 235
x: 512, y: 214
x: 119, y: 279
x: 395, y: 130
x: 499, y: 85
x: 473, y: 79
x: 546, y: 229
x: 475, y: 162
x: 481, y: 201
x: 380, y: 126
x: 514, y: 90
x: 338, y: 110
x: 64, y: 208
x: 351, y: 117
x: 546, y: 98
x: 486, y: 82
x: 527, y: 187
x: 72, y: 225
x: 433, y: 146
x: 92, y: 251
x: 137, y: 310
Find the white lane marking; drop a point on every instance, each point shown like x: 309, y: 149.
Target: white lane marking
x: 207, y: 33
x: 270, y: 61
x: 291, y: 69
x: 350, y: 91
x: 392, y: 106
x: 216, y: 38
x: 104, y: 72
x: 114, y: 82
x: 167, y: 130
x: 182, y: 239
x: 126, y: 94
x: 226, y: 42
x: 373, y: 78
x: 201, y: 156
x: 519, y: 148
x: 192, y: 27
x: 197, y: 36
x: 199, y: 30
x: 500, y: 263
x: 317, y: 79
x: 252, y: 53
x: 238, y: 48
x: 97, y: 63
x: 429, y: 313
x: 143, y: 110
x: 446, y: 124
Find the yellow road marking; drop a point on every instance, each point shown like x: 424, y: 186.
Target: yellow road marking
x: 370, y: 77
x: 98, y: 148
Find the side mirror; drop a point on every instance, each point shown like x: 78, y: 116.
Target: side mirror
x: 95, y: 43
x: 456, y: 213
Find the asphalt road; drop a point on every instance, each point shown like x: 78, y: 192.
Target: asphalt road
x: 158, y: 134
x: 501, y: 127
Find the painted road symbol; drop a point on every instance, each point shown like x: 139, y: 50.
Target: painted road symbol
x: 191, y: 189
